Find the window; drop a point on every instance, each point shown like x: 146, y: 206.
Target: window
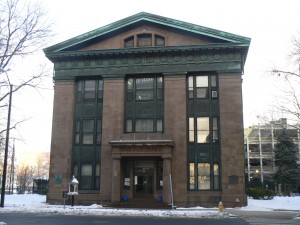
x: 97, y: 176
x: 86, y: 176
x: 215, y: 129
x: 144, y: 104
x: 77, y: 132
x: 191, y: 129
x: 99, y: 132
x: 144, y: 89
x: 199, y: 86
x: 89, y: 89
x: 216, y: 177
x: 129, y: 42
x: 88, y: 133
x: 144, y: 40
x: 144, y: 125
x: 192, y: 176
x: 203, y: 176
x: 203, y: 130
x: 159, y: 40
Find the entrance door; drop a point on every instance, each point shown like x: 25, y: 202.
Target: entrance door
x: 143, y: 178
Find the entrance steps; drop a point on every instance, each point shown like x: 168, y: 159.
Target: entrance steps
x: 141, y: 203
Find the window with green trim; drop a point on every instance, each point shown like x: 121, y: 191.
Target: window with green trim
x: 144, y: 104
x: 203, y: 132
x: 87, y: 133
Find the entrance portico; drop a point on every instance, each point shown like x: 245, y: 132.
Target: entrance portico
x: 141, y: 169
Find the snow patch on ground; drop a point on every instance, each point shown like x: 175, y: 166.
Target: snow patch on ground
x: 33, y: 203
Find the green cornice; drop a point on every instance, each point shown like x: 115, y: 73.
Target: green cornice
x: 147, y: 17
x: 116, y: 63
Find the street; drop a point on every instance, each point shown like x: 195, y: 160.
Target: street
x: 29, y: 219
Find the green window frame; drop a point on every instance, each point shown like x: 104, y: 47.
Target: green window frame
x: 88, y: 133
x: 203, y: 167
x: 144, y: 104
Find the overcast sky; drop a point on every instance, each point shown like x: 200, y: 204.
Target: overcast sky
x: 269, y: 23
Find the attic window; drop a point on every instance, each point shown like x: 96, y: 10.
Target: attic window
x: 159, y: 40
x: 144, y: 40
x: 129, y: 42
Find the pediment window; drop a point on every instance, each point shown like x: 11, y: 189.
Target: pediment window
x: 144, y: 40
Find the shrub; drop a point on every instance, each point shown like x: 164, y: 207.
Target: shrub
x: 261, y: 193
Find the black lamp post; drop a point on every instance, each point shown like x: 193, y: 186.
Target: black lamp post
x: 6, y: 150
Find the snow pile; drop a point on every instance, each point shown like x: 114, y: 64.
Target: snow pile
x: 33, y: 203
x: 276, y: 204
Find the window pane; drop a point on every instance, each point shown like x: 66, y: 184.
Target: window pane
x: 202, y: 81
x: 203, y: 123
x: 89, y: 89
x: 159, y: 40
x: 100, y: 89
x: 130, y: 84
x: 144, y: 88
x: 77, y: 126
x: 144, y: 125
x: 129, y: 42
x: 159, y: 86
x: 144, y: 40
x: 192, y: 176
x: 86, y: 170
x: 203, y: 137
x: 88, y: 125
x: 75, y: 170
x: 202, y: 92
x: 97, y: 172
x: 77, y: 138
x: 191, y: 130
x: 215, y: 129
x: 203, y: 130
x: 159, y: 125
x: 128, y: 125
x: 88, y: 138
x: 213, y: 81
x: 216, y: 177
x: 203, y: 176
x: 191, y: 87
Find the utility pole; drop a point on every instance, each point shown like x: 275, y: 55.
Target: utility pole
x: 6, y: 150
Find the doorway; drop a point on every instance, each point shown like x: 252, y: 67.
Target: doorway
x: 143, y: 178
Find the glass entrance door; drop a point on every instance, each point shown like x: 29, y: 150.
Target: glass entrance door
x: 143, y: 178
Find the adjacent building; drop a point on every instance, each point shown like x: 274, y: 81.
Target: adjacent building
x: 149, y: 108
x: 260, y: 143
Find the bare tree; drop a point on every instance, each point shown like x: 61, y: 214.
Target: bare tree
x: 24, y: 30
x: 289, y: 102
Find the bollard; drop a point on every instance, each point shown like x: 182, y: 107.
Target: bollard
x: 221, y: 207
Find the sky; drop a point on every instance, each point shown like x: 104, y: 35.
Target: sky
x: 33, y: 203
x: 270, y: 24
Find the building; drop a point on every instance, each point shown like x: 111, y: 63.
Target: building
x: 260, y: 143
x: 149, y: 107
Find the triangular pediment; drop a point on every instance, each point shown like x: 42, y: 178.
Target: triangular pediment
x: 181, y: 33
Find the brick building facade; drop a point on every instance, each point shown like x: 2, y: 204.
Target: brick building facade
x: 143, y: 100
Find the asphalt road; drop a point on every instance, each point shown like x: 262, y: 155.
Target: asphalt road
x: 30, y: 219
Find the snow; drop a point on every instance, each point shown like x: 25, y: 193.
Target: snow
x: 33, y: 203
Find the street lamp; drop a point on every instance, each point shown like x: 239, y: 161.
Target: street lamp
x: 6, y: 147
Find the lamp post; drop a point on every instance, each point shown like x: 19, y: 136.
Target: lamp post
x: 6, y: 150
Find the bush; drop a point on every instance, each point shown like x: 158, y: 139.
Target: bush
x: 261, y: 193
